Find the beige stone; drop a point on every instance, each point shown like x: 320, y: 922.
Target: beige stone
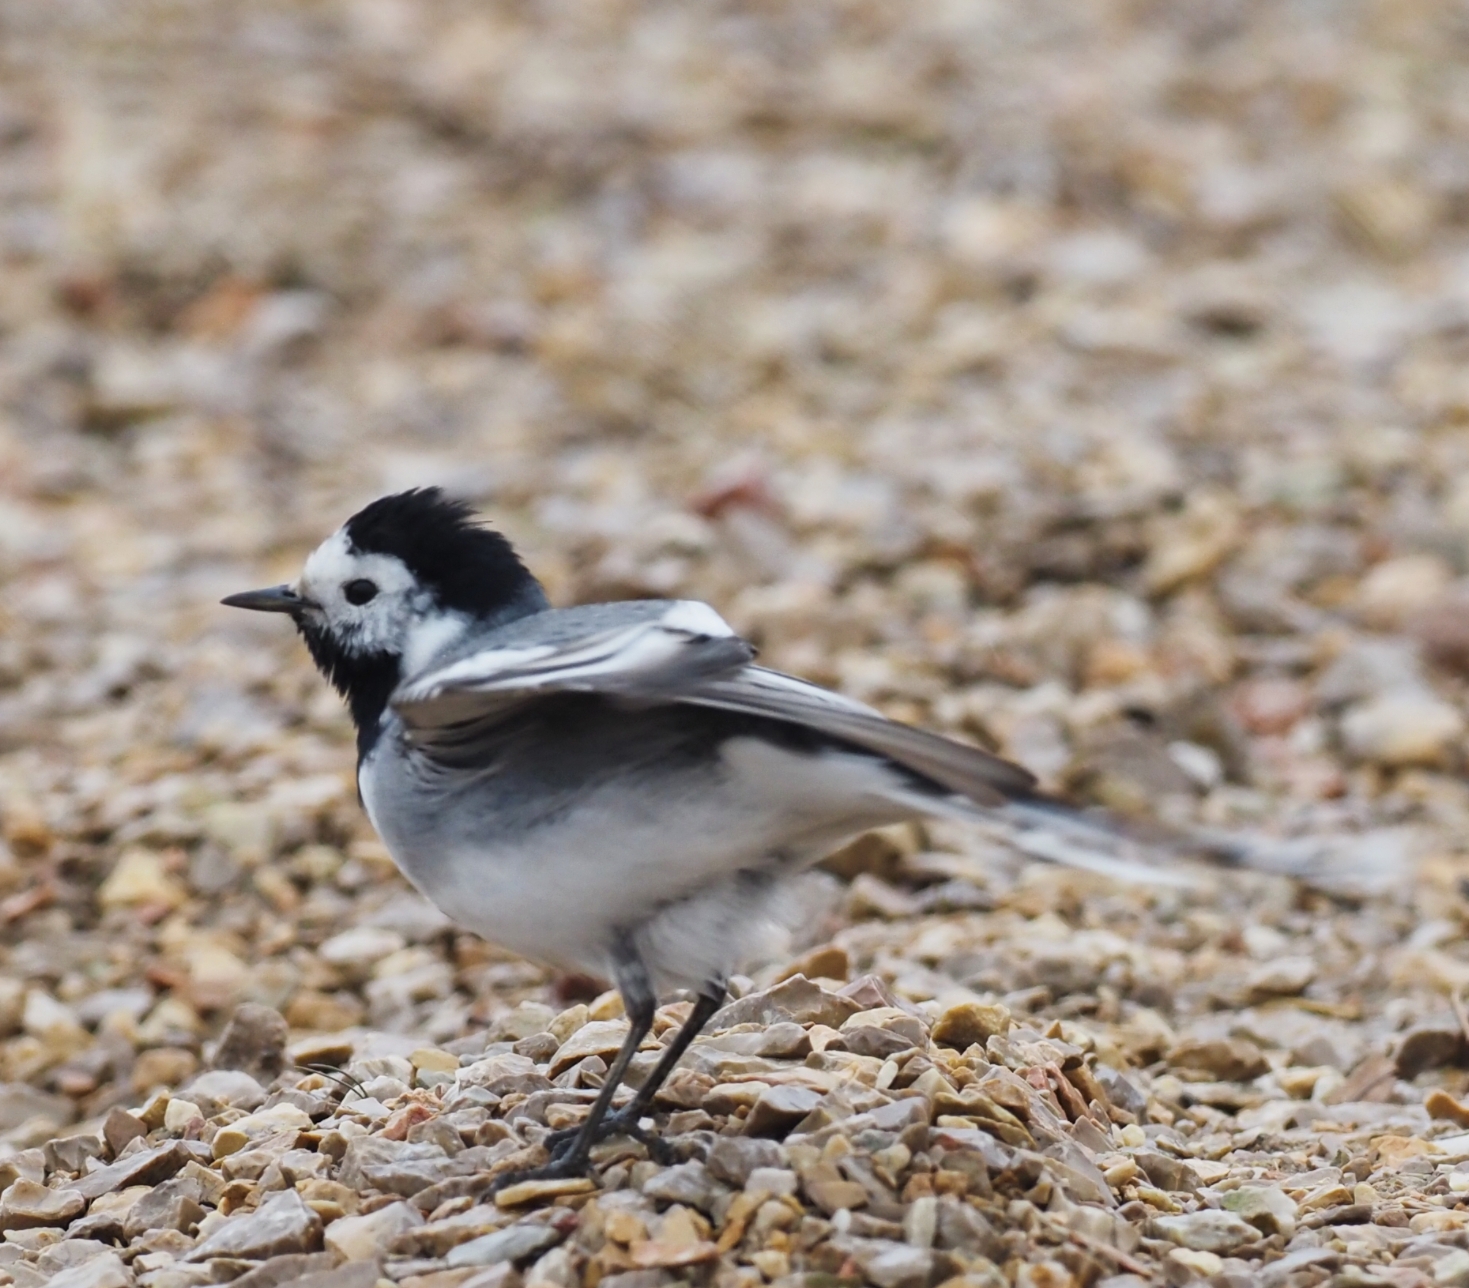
x: 533, y: 1191
x: 971, y: 1023
x: 140, y: 877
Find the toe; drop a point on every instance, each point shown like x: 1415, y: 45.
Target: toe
x: 558, y: 1169
x: 660, y: 1151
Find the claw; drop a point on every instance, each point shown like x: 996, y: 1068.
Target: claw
x: 556, y: 1143
x: 561, y: 1145
x: 621, y: 1124
x: 659, y: 1150
x: 558, y: 1169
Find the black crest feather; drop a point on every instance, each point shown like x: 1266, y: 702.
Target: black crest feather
x: 470, y: 569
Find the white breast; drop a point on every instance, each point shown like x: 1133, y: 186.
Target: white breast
x: 557, y: 892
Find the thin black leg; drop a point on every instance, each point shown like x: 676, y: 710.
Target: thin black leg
x: 640, y: 1002
x: 625, y: 1122
x: 710, y: 999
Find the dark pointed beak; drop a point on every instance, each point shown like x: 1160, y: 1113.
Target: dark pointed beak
x: 273, y: 599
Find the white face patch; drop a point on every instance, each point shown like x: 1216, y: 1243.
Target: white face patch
x: 400, y: 619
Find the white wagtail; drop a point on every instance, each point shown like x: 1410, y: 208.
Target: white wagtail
x: 613, y: 788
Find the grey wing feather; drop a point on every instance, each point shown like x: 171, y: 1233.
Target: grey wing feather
x: 985, y: 779
x: 681, y: 652
x: 653, y: 659
x: 685, y: 655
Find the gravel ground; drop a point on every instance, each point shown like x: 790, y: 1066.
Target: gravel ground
x: 1086, y: 379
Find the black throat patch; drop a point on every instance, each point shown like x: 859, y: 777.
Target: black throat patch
x: 466, y: 568
x: 365, y: 680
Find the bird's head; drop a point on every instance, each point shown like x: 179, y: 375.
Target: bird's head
x: 402, y: 580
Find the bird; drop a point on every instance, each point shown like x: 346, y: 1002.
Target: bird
x: 614, y: 789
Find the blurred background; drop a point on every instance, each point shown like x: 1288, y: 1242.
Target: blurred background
x: 1083, y: 378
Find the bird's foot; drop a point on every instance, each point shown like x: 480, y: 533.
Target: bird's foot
x: 624, y: 1123
x: 559, y: 1168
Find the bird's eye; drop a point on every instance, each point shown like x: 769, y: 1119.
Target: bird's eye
x: 359, y: 591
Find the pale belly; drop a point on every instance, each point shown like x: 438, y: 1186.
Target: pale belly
x: 617, y: 857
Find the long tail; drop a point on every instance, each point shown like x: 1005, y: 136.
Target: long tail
x: 1055, y: 831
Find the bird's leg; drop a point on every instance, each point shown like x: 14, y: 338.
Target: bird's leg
x: 640, y: 1002
x: 625, y: 1122
x: 710, y: 999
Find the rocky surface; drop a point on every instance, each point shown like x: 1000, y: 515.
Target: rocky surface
x: 1082, y: 379
x: 1042, y: 1154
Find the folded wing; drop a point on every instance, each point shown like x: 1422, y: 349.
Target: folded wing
x: 683, y: 646
x: 687, y: 654
x: 985, y: 779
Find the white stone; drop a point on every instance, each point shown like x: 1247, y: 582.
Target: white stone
x: 360, y: 1238
x: 1207, y: 1231
x: 361, y: 948
x: 1399, y: 729
x: 775, y: 1181
x: 179, y: 1114
x: 1397, y: 588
